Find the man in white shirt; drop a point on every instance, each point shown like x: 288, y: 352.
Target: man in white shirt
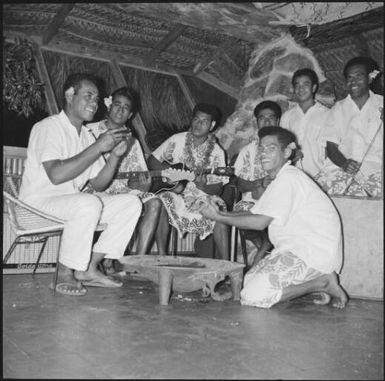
x: 251, y: 178
x: 62, y: 156
x: 306, y: 120
x: 353, y: 136
x: 304, y: 228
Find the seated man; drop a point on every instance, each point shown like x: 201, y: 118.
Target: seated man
x: 62, y: 157
x: 251, y: 178
x: 121, y: 107
x: 197, y: 150
x: 306, y: 120
x: 304, y: 228
x: 353, y: 136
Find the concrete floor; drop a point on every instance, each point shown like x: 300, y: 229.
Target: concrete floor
x: 123, y: 333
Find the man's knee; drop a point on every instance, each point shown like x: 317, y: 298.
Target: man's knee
x: 153, y: 206
x: 90, y: 206
x: 259, y: 292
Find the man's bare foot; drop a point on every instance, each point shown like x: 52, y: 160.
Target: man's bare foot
x: 322, y: 298
x: 66, y: 283
x: 335, y: 290
x: 94, y: 277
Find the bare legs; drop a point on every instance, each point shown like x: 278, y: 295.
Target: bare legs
x: 163, y: 232
x: 222, y: 240
x: 148, y: 225
x: 327, y: 283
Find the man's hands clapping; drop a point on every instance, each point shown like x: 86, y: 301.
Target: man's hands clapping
x: 117, y: 141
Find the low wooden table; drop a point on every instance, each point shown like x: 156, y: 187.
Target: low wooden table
x: 185, y: 274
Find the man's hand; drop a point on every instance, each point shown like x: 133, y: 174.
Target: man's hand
x: 200, y: 181
x: 209, y: 209
x: 111, y: 138
x: 142, y: 183
x: 351, y: 166
x: 120, y: 149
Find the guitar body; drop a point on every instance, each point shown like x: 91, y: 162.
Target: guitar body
x: 158, y: 185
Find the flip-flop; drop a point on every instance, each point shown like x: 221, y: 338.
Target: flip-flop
x: 60, y: 288
x: 102, y: 282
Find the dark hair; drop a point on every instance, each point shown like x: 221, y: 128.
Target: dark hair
x: 369, y: 63
x: 208, y: 109
x: 125, y: 92
x: 75, y: 81
x: 310, y: 73
x: 284, y: 136
x: 270, y: 105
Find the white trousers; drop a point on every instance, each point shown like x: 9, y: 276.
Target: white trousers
x: 82, y: 212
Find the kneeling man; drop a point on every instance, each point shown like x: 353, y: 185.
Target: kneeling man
x: 303, y: 226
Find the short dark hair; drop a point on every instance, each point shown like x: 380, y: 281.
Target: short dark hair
x: 209, y: 109
x: 369, y: 63
x: 75, y: 81
x: 270, y: 105
x: 284, y: 136
x: 310, y: 73
x: 125, y: 92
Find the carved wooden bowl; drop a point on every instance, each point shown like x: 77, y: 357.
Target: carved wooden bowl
x: 185, y: 274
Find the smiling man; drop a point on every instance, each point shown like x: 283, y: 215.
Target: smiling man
x: 306, y: 120
x: 62, y: 156
x: 353, y: 135
x: 303, y: 225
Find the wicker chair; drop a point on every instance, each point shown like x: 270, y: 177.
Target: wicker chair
x: 29, y: 224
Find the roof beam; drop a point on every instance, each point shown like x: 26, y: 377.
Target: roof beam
x: 203, y: 64
x: 56, y: 23
x: 224, y: 87
x: 44, y: 77
x: 186, y: 91
x: 167, y: 40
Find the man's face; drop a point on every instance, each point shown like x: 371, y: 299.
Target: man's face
x: 357, y: 81
x: 304, y: 89
x: 201, y: 124
x: 267, y: 117
x: 120, y: 110
x: 84, y: 103
x: 273, y: 156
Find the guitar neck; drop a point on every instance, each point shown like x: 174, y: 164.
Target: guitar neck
x: 220, y: 171
x: 136, y: 174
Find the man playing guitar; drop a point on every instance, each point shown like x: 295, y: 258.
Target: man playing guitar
x: 197, y: 151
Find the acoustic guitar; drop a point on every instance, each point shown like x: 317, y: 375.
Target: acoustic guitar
x: 176, y: 175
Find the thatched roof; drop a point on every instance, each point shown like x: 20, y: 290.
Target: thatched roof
x: 212, y: 41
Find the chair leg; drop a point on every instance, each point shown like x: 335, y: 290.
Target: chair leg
x: 57, y: 266
x: 10, y: 250
x: 243, y: 246
x: 40, y: 253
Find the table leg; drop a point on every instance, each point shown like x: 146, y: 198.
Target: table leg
x: 165, y: 286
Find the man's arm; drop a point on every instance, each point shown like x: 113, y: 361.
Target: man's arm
x: 335, y: 155
x: 61, y: 171
x: 244, y: 221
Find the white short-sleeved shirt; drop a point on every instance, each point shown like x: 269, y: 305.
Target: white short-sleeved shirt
x: 133, y: 161
x: 172, y: 151
x: 248, y: 165
x: 305, y: 222
x: 353, y: 129
x: 307, y: 128
x: 55, y: 138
